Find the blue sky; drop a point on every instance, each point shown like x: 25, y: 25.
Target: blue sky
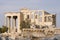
x: 51, y: 6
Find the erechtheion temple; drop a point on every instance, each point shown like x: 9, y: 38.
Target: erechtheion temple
x: 45, y: 20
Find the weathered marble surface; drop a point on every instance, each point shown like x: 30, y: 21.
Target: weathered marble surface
x: 56, y: 37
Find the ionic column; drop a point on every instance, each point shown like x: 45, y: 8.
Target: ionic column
x: 11, y: 28
x: 5, y: 21
x: 14, y: 24
x: 8, y: 24
x: 18, y: 26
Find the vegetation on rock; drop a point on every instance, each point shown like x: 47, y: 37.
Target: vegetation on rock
x: 3, y: 29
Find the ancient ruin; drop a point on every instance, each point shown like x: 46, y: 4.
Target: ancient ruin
x: 46, y: 23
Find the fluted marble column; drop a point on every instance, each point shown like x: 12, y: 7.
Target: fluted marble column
x: 5, y: 21
x: 18, y: 26
x: 14, y: 24
x: 8, y: 19
x: 11, y: 28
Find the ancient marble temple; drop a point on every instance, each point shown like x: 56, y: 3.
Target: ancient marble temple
x: 38, y: 17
